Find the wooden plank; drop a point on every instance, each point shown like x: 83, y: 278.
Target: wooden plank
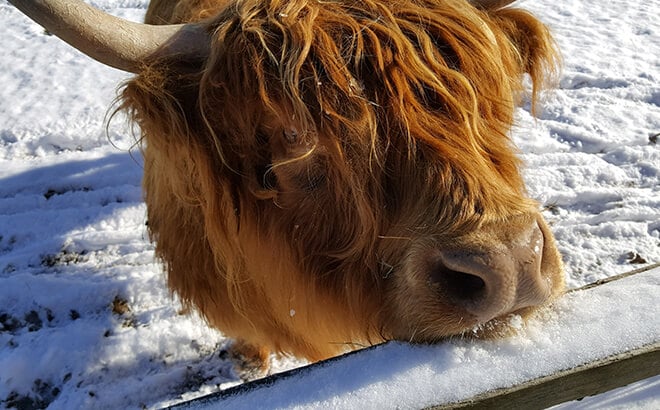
x: 587, y: 380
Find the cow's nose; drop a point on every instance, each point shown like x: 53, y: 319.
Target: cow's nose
x: 492, y: 279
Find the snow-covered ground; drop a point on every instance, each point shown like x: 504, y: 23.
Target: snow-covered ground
x: 85, y: 318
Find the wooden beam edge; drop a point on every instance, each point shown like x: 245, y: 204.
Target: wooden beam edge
x: 588, y: 379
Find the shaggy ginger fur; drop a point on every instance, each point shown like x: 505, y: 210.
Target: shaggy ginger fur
x: 297, y: 178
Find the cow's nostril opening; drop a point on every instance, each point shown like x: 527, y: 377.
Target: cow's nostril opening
x: 458, y: 285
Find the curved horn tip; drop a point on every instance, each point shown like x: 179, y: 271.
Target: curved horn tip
x: 113, y: 41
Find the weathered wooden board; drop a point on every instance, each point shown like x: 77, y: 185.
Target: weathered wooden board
x: 582, y: 381
x: 367, y: 375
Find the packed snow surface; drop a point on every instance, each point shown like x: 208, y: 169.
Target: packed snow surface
x: 86, y: 320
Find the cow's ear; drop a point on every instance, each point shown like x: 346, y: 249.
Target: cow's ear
x: 537, y: 51
x: 162, y: 104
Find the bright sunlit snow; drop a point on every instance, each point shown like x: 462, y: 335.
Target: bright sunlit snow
x: 86, y: 320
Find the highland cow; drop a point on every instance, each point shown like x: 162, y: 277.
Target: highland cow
x: 321, y: 175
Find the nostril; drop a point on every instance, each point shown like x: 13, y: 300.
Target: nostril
x: 459, y: 286
x: 490, y: 273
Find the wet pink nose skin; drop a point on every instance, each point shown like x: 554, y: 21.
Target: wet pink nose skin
x: 498, y: 276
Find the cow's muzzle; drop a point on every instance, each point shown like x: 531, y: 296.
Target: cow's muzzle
x: 501, y: 270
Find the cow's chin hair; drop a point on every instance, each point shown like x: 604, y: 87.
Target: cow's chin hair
x: 508, y: 325
x: 505, y: 326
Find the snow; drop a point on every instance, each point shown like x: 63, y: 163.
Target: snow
x: 87, y: 322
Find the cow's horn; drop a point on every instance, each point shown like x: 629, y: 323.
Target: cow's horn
x: 111, y: 40
x: 490, y: 4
